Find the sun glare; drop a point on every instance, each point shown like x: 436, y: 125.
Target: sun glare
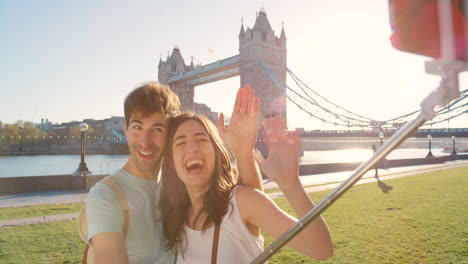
x: 342, y: 155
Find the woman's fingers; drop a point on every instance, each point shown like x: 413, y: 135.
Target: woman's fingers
x: 220, y: 123
x: 238, y: 103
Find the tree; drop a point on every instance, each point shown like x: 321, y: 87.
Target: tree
x: 8, y: 136
x: 31, y: 134
x: 20, y: 132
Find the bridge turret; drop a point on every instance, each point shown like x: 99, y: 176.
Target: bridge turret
x: 242, y: 31
x: 283, y: 37
x: 261, y: 22
x: 176, y: 61
x: 173, y: 66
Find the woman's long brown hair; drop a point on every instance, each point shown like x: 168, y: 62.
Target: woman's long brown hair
x: 174, y: 200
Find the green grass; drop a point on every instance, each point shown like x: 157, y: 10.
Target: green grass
x: 423, y: 219
x: 44, y: 243
x: 31, y: 211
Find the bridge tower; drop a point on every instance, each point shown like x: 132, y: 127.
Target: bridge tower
x: 260, y: 44
x: 173, y: 65
x: 255, y: 44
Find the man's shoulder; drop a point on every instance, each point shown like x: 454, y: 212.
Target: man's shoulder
x: 101, y: 188
x: 101, y: 191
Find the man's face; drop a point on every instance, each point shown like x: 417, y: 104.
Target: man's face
x: 146, y: 136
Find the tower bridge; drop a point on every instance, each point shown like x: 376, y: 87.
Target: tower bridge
x: 262, y: 63
x: 258, y: 43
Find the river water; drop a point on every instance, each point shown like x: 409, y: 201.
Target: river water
x: 37, y: 165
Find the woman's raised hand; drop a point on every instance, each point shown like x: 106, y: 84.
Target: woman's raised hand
x: 282, y: 163
x: 241, y: 133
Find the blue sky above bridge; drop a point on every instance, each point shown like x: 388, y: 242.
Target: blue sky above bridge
x: 71, y: 60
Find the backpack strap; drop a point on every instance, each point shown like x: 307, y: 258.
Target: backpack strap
x: 82, y: 221
x: 109, y: 180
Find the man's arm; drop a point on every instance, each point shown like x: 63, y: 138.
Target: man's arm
x: 241, y: 134
x: 109, y: 248
x: 105, y: 220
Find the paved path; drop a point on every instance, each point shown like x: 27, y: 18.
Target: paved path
x: 43, y: 198
x: 313, y: 183
x: 37, y: 220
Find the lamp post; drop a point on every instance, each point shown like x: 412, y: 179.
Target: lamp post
x: 82, y: 168
x: 429, y: 155
x: 454, y: 152
x: 381, y: 136
x: 383, y: 163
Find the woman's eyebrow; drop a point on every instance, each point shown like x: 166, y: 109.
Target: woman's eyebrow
x: 195, y: 135
x: 201, y: 134
x: 180, y: 137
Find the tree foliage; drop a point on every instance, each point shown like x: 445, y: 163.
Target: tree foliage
x: 20, y: 132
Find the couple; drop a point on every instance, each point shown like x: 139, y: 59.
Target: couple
x: 173, y: 215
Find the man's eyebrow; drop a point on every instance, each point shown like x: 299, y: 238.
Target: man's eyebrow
x: 136, y: 121
x: 159, y: 125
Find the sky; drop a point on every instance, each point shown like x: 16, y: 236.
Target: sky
x: 73, y: 60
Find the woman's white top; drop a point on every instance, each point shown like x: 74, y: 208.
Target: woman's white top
x: 236, y: 243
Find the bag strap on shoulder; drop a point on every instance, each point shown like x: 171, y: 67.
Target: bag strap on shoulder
x: 88, y: 257
x: 214, y: 249
x: 109, y: 180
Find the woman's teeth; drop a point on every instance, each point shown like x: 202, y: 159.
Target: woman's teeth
x: 194, y: 165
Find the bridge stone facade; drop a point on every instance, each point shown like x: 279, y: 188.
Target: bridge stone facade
x: 255, y: 44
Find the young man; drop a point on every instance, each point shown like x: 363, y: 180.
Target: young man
x: 147, y: 112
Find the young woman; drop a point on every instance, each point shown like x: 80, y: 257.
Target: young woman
x: 199, y: 192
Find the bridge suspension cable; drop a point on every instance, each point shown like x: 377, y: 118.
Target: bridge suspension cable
x: 318, y: 107
x: 304, y: 101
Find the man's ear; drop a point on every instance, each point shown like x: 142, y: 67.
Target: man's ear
x: 125, y: 128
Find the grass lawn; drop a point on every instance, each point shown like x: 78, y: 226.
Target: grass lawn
x: 43, y: 243
x: 424, y: 219
x: 31, y: 211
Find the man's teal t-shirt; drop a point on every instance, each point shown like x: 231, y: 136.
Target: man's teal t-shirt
x: 145, y: 239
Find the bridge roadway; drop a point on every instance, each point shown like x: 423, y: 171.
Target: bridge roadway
x: 338, y: 142
x: 313, y: 183
x: 218, y: 70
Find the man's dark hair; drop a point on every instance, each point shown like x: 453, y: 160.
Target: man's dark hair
x: 151, y: 97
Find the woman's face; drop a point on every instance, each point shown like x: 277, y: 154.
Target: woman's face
x: 193, y: 154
